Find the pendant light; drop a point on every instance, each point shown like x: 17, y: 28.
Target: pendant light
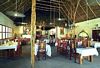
x: 15, y: 13
x: 24, y: 23
x: 59, y: 17
x: 54, y: 16
x: 59, y: 11
x: 50, y: 14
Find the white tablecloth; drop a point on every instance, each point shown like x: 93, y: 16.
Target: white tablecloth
x: 6, y: 46
x: 87, y: 51
x: 26, y: 36
x: 48, y: 49
x: 95, y: 44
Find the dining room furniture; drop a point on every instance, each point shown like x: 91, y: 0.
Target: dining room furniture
x: 46, y: 50
x: 41, y: 51
x: 88, y: 51
x: 95, y: 44
x: 8, y: 47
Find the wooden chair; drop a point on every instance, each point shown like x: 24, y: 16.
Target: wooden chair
x: 73, y: 53
x: 85, y: 42
x: 41, y: 50
x: 19, y: 48
x: 58, y: 44
x: 61, y: 46
x: 64, y: 47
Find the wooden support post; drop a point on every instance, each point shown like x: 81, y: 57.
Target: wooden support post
x: 33, y: 31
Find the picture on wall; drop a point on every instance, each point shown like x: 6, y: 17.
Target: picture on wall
x: 61, y: 30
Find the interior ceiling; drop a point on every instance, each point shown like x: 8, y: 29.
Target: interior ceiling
x: 49, y: 10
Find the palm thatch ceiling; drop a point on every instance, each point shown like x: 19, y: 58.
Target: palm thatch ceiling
x: 70, y: 10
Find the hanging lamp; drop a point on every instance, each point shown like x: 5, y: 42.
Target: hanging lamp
x: 50, y: 14
x: 59, y: 11
x: 59, y: 17
x: 15, y: 13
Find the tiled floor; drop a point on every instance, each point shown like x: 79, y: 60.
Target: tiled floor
x: 18, y: 62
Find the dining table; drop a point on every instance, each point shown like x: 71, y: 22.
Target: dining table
x: 9, y: 48
x: 6, y: 46
x: 95, y: 44
x: 86, y: 52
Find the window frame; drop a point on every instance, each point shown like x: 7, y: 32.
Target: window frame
x: 6, y: 32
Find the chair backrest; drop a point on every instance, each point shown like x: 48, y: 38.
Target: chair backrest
x: 86, y: 42
x: 72, y: 44
x: 58, y: 42
x: 69, y: 42
x: 42, y: 46
x: 64, y: 43
x: 72, y: 48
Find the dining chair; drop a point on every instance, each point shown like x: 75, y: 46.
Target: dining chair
x: 41, y: 50
x: 19, y: 48
x: 73, y: 52
x: 58, y: 45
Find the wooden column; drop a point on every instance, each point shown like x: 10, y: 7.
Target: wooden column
x: 33, y: 31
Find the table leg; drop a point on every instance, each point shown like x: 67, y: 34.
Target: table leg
x: 91, y: 58
x: 80, y: 59
x: 88, y: 58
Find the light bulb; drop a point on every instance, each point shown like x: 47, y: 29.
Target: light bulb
x: 15, y: 14
x: 40, y: 26
x: 50, y: 23
x: 59, y: 19
x: 66, y: 24
x: 23, y: 23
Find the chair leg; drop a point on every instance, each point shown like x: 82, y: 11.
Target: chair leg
x: 45, y: 55
x: 70, y: 54
x: 75, y: 58
x: 38, y: 56
x: 41, y: 55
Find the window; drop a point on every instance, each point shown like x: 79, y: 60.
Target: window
x: 0, y: 35
x: 4, y: 29
x: 0, y: 31
x: 5, y: 32
x: 0, y: 28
